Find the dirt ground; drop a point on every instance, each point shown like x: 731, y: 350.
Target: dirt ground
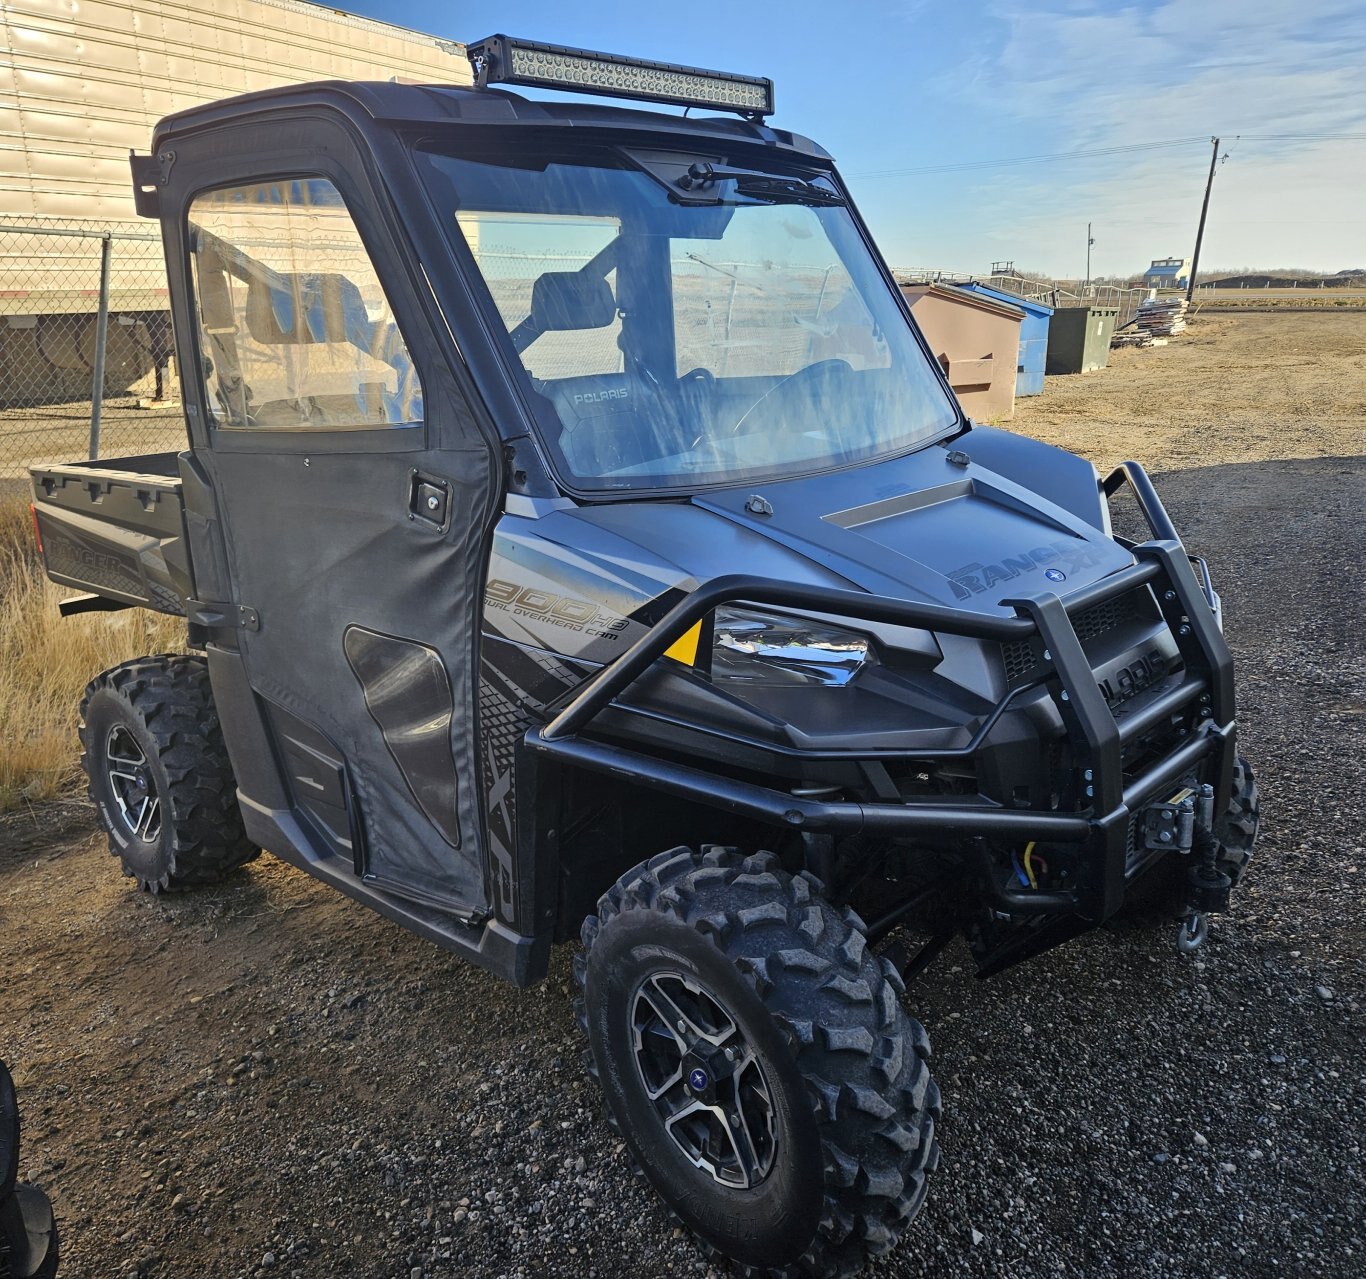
x: 264, y: 1079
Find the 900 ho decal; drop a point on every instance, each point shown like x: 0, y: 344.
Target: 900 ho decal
x: 560, y: 610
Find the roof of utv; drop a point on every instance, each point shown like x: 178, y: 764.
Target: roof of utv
x: 404, y: 104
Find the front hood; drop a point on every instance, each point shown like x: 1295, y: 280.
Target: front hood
x: 926, y: 528
x: 586, y: 581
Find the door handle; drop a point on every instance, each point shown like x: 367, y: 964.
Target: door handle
x: 429, y: 500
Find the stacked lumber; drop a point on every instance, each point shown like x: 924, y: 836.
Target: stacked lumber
x: 1162, y: 317
x: 1156, y: 321
x: 1131, y: 337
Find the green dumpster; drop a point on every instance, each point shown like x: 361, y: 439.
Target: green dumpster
x: 1079, y: 338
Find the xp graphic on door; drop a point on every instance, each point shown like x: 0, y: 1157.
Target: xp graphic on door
x: 576, y: 538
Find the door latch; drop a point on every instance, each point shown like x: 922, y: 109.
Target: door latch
x: 429, y: 500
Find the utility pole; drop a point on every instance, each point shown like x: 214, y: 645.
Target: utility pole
x: 1089, y: 243
x: 1200, y: 231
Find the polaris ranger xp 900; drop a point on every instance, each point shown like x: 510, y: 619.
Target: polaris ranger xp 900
x: 577, y: 538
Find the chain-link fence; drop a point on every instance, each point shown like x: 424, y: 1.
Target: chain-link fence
x: 1054, y: 293
x: 87, y: 365
x: 1125, y: 301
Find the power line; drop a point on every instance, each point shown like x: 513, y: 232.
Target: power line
x: 1303, y: 137
x: 1097, y: 152
x: 1036, y: 159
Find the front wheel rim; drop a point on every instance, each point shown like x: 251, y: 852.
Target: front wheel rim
x: 703, y: 1079
x: 131, y: 785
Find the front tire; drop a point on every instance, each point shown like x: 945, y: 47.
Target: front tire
x: 1236, y: 830
x: 755, y: 1057
x: 159, y: 774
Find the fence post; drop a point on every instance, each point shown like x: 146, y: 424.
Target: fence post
x: 101, y: 337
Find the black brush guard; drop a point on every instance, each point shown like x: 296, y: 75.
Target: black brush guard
x: 1097, y: 736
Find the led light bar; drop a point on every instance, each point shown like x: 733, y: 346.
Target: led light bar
x: 503, y: 60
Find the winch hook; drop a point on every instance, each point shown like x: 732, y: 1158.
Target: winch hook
x: 1192, y: 931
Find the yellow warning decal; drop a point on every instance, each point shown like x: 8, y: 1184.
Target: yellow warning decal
x: 684, y: 648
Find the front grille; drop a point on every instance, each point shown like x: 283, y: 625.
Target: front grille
x: 1135, y: 854
x: 1023, y: 658
x: 1019, y: 658
x: 1105, y: 616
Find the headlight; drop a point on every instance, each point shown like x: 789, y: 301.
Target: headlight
x: 756, y: 648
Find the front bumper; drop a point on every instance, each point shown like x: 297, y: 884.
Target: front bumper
x: 1098, y: 738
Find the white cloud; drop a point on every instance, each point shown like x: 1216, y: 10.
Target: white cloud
x: 1090, y: 74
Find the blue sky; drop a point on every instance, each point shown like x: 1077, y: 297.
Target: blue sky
x: 894, y: 85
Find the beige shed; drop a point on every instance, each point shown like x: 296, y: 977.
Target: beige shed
x: 976, y: 339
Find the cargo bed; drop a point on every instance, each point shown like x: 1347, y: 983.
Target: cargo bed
x: 116, y: 528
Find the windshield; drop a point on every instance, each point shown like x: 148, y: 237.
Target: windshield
x: 675, y: 339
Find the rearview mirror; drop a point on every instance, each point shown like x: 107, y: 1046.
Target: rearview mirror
x: 562, y: 300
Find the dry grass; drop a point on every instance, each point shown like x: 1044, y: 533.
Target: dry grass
x: 47, y: 660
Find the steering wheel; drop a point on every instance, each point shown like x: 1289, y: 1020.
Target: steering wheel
x: 704, y: 377
x: 806, y: 375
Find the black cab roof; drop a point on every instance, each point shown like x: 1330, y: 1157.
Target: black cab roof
x: 418, y: 104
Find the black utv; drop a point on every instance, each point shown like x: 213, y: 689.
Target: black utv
x: 576, y: 538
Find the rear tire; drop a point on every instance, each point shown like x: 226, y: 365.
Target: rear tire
x: 832, y: 1102
x: 159, y: 773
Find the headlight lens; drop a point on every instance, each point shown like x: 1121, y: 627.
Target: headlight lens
x: 758, y: 648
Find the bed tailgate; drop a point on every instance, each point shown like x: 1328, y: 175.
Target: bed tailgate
x: 116, y: 528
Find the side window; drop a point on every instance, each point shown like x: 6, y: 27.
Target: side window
x: 295, y: 332
x: 513, y: 251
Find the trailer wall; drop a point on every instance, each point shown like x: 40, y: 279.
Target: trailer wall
x: 83, y: 82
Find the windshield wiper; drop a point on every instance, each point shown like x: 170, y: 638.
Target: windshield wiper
x: 761, y: 186
x: 786, y: 191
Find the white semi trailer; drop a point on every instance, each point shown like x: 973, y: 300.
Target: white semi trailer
x: 81, y: 83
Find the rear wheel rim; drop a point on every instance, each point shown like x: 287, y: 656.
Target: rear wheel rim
x: 131, y: 785
x: 703, y: 1079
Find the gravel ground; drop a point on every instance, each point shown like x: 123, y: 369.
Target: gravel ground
x: 264, y: 1079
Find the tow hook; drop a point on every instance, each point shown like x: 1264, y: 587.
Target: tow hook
x: 1207, y: 890
x: 1192, y: 931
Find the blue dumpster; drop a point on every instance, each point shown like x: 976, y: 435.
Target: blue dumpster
x: 1033, y: 337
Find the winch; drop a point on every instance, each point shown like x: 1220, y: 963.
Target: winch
x: 1184, y: 824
